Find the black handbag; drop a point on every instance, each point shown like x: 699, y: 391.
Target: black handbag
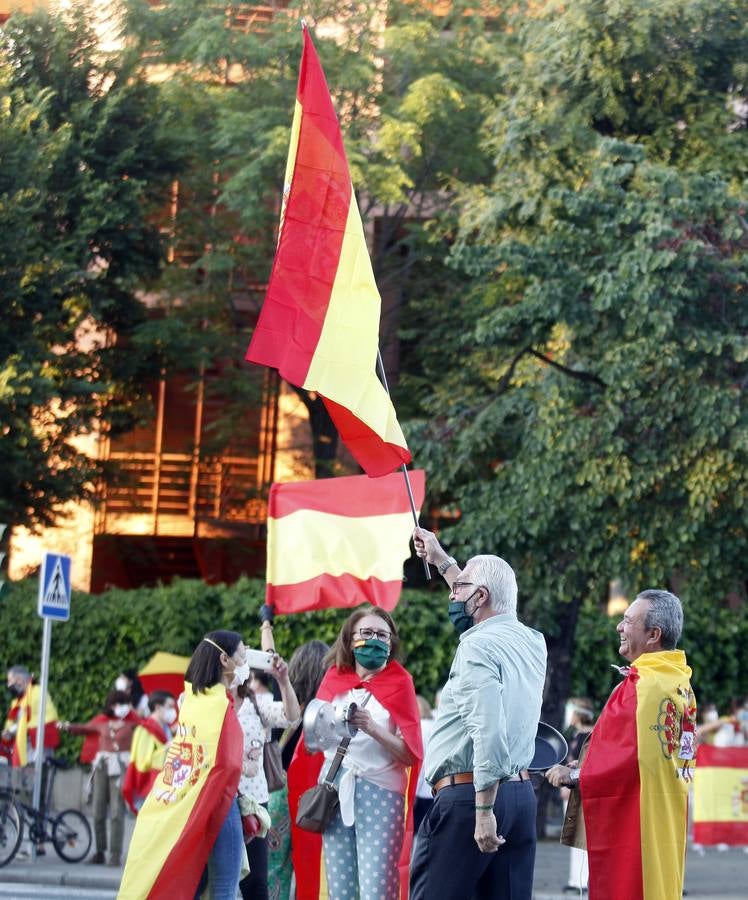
x: 318, y: 805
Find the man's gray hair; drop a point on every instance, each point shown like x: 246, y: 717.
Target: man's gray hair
x: 495, y: 574
x: 666, y: 613
x: 19, y: 670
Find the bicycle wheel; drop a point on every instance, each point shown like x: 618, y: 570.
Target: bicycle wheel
x: 71, y: 835
x: 11, y: 829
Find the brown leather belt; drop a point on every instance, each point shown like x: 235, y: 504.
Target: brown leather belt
x: 467, y: 778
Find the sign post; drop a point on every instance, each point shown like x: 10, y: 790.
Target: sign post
x: 54, y: 603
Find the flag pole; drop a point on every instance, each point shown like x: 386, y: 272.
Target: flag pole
x: 404, y: 468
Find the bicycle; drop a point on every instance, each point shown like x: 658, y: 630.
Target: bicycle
x: 67, y: 831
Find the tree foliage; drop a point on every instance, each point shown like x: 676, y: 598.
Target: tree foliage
x: 591, y: 421
x: 84, y: 163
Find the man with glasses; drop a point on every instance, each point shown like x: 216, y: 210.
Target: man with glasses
x: 478, y: 838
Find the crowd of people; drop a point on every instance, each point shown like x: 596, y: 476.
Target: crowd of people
x: 427, y: 802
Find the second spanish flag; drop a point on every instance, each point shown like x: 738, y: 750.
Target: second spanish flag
x: 339, y: 541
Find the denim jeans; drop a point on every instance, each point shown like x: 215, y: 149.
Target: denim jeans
x: 225, y: 860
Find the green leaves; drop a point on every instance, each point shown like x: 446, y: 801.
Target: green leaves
x: 587, y: 422
x: 85, y: 164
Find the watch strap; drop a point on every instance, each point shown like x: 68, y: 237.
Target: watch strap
x: 449, y: 561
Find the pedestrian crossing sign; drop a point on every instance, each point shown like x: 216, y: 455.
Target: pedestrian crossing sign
x: 54, y: 587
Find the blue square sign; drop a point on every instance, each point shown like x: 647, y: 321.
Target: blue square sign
x: 54, y: 587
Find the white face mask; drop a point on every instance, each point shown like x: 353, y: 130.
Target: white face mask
x: 122, y: 684
x: 241, y: 674
x: 121, y: 710
x: 170, y: 716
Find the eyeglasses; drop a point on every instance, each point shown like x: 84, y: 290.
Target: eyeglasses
x: 459, y: 585
x: 366, y: 634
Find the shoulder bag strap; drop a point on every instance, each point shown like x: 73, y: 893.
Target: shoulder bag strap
x: 340, y: 753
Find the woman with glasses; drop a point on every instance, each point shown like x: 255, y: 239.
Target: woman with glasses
x: 367, y: 845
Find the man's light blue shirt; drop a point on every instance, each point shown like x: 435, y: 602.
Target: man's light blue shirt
x: 490, y: 707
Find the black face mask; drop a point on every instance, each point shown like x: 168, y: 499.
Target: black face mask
x: 15, y: 691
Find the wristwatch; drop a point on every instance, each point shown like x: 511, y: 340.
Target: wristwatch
x: 449, y: 561
x: 574, y: 778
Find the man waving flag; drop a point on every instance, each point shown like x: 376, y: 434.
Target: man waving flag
x: 319, y: 324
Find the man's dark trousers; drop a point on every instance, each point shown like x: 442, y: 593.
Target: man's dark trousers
x: 447, y: 864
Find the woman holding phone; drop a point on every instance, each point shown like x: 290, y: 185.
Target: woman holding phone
x: 258, y: 714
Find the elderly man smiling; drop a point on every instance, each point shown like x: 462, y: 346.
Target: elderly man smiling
x: 634, y: 768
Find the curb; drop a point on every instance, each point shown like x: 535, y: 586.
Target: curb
x: 72, y: 878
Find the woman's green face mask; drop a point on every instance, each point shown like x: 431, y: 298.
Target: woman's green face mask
x: 371, y: 654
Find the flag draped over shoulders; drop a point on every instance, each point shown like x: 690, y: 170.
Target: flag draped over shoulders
x: 147, y: 756
x: 393, y: 688
x: 349, y: 536
x: 188, y: 803
x: 634, y: 782
x: 319, y: 324
x: 26, y: 716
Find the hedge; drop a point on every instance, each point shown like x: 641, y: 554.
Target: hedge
x: 123, y: 628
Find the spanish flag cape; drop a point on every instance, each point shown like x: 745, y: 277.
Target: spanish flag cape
x: 393, y: 688
x: 190, y: 799
x: 24, y: 712
x: 147, y: 755
x: 633, y: 782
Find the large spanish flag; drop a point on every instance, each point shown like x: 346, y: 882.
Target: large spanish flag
x: 181, y: 817
x: 634, y: 782
x: 720, y: 802
x: 339, y: 541
x: 393, y: 688
x: 319, y: 324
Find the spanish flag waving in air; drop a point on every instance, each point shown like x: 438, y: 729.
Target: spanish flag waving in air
x: 350, y: 536
x: 634, y: 782
x: 319, y: 325
x: 181, y: 817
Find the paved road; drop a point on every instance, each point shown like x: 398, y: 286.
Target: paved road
x: 52, y: 892
x: 711, y: 876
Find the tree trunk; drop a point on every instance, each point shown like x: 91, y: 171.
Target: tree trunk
x: 558, y: 680
x: 324, y: 434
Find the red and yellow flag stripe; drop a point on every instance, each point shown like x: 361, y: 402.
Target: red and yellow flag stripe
x: 720, y: 807
x: 319, y: 324
x: 339, y: 541
x: 27, y: 722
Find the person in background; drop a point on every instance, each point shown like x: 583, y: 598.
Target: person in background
x: 720, y: 731
x: 148, y: 749
x: 258, y: 715
x: 114, y: 728
x: 424, y: 797
x: 128, y: 681
x: 305, y: 671
x: 22, y: 720
x: 581, y: 717
x: 191, y: 815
